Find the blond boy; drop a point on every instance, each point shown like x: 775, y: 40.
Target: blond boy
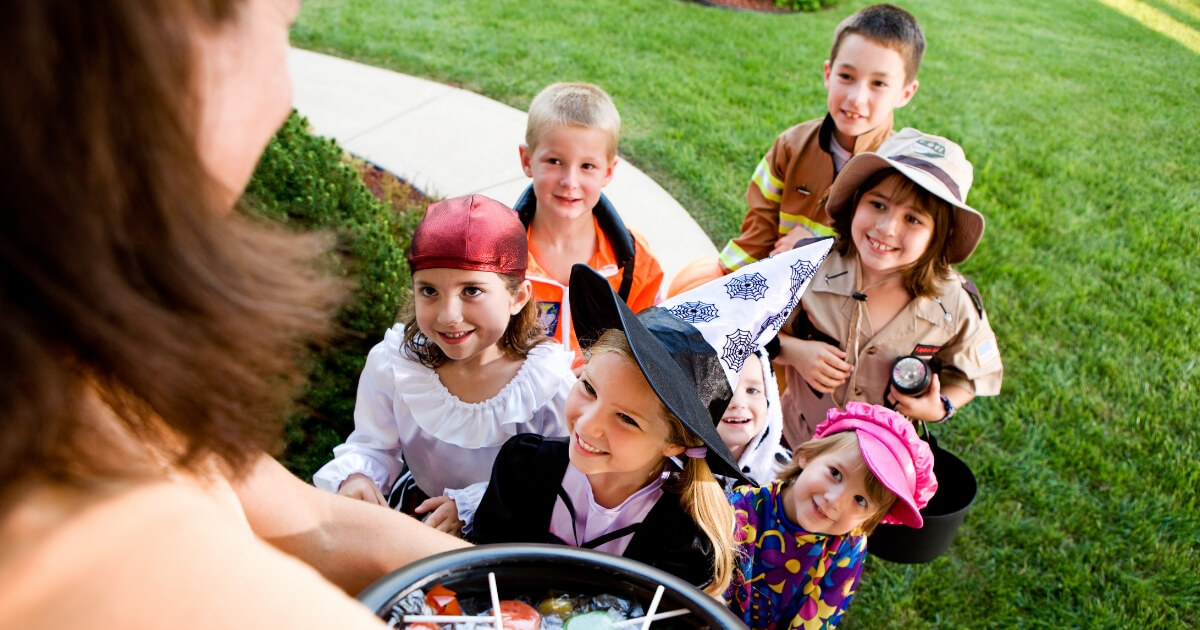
x: 570, y: 151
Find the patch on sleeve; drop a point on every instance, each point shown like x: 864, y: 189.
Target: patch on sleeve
x: 987, y: 351
x: 973, y: 291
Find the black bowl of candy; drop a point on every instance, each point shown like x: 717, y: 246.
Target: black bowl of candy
x: 540, y: 587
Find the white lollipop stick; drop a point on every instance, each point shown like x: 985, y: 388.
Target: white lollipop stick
x: 653, y: 607
x: 658, y: 617
x: 495, y: 601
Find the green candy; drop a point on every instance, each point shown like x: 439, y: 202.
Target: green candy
x: 595, y: 620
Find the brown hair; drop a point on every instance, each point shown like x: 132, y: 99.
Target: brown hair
x: 920, y: 278
x: 889, y: 26
x: 877, y: 493
x: 523, y: 333
x: 575, y: 104
x: 700, y: 494
x: 139, y: 316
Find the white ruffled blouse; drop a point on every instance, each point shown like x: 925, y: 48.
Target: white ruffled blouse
x: 404, y: 411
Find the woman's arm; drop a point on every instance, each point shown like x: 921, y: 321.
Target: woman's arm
x: 350, y: 542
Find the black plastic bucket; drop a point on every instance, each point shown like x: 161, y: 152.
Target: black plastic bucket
x: 943, y: 515
x: 533, y: 570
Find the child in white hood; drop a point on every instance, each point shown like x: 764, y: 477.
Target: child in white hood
x: 753, y: 423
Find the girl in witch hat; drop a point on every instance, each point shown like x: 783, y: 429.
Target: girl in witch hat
x: 802, y: 539
x: 466, y: 370
x: 636, y: 476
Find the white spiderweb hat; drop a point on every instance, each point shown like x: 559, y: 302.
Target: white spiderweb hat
x: 741, y: 312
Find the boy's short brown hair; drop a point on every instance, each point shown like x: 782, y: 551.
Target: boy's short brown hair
x: 886, y: 25
x: 576, y: 104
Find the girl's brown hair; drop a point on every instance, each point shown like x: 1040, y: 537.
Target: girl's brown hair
x: 921, y: 277
x: 701, y: 495
x: 524, y: 331
x: 877, y: 493
x: 138, y: 314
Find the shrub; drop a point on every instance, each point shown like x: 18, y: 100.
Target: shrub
x: 805, y: 5
x: 308, y: 182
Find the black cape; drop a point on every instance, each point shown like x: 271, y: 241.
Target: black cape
x: 520, y: 498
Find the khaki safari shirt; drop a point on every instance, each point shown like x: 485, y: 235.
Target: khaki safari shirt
x: 789, y: 189
x: 951, y: 327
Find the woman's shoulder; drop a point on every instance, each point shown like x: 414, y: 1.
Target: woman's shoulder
x: 162, y: 544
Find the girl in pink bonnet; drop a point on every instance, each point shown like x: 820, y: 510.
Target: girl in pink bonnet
x: 802, y: 538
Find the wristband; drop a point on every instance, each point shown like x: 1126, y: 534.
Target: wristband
x: 948, y: 406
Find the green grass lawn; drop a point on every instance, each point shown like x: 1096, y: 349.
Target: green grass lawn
x: 1082, y: 124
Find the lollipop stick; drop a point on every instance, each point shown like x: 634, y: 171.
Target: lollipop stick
x: 495, y: 601
x: 445, y: 619
x: 658, y: 617
x: 653, y: 607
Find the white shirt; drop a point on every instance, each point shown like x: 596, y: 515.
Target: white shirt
x: 403, y: 410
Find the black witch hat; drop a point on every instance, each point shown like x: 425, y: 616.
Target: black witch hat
x: 691, y: 348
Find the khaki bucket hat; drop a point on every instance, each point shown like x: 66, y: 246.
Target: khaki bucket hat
x: 932, y: 162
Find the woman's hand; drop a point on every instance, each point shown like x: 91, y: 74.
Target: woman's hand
x: 823, y: 366
x: 443, y: 514
x: 359, y: 486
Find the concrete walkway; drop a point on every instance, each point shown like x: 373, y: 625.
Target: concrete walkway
x: 449, y: 142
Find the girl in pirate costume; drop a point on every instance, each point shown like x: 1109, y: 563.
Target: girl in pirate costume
x: 467, y: 369
x: 636, y: 475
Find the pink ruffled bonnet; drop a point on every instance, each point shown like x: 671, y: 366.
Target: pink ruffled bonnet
x: 893, y: 451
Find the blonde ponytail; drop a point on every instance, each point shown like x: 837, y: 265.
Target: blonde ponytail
x: 703, y: 498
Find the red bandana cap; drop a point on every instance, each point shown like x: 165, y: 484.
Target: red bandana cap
x: 473, y: 232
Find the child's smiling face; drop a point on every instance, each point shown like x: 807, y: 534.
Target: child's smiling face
x: 569, y: 167
x: 615, y: 422
x: 866, y: 82
x: 465, y: 312
x: 830, y: 494
x: 747, y: 411
x: 889, y: 233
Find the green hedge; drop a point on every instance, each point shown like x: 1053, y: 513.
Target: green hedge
x: 805, y: 5
x: 308, y: 182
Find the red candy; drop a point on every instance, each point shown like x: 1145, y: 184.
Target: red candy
x: 442, y: 600
x: 519, y: 616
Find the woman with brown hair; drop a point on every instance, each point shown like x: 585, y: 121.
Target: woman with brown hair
x: 151, y: 335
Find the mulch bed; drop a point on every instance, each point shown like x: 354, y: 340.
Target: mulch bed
x: 391, y: 189
x: 761, y: 6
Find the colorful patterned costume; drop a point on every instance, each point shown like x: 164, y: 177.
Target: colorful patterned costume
x: 787, y: 577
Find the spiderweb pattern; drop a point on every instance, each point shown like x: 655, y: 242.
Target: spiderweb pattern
x: 738, y: 345
x: 750, y: 286
x: 694, y: 312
